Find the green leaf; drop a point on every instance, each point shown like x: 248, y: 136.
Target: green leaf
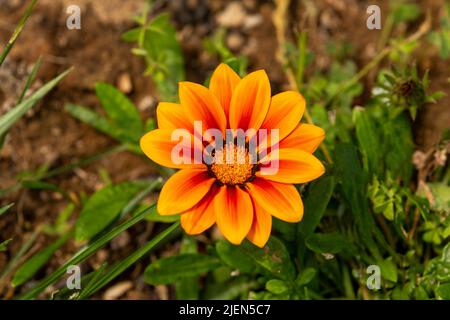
x: 84, y: 253
x: 443, y: 291
x: 4, y: 245
x: 103, y: 207
x: 353, y: 181
x: 170, y: 269
x: 316, y: 201
x: 235, y: 288
x: 41, y: 185
x: 277, y: 286
x: 397, y: 135
x: 121, y: 111
x: 156, y: 217
x: 37, y: 261
x: 188, y: 288
x: 369, y: 140
x: 388, y: 269
x: 157, y: 42
x: 19, y: 110
x: 119, y: 267
x: 6, y: 208
x: 93, y: 119
x: 405, y: 12
x: 305, y: 277
x: 17, y: 32
x: 274, y: 258
x: 30, y: 79
x: 327, y: 242
x: 441, y: 194
x: 234, y: 257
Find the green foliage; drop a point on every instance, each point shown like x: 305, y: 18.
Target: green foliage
x: 122, y: 113
x: 366, y: 210
x: 441, y: 38
x: 170, y: 269
x: 17, y: 31
x: 4, y: 209
x: 32, y: 265
x: 215, y: 45
x: 7, y: 120
x: 157, y: 43
x: 103, y: 207
x: 4, y: 245
x: 123, y: 121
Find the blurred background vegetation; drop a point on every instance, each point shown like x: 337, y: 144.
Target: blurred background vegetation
x: 76, y: 189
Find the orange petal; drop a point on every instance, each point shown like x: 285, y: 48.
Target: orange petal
x: 158, y: 146
x: 222, y: 84
x: 262, y: 225
x: 294, y: 166
x: 201, y: 217
x: 306, y: 137
x: 201, y: 105
x: 285, y: 112
x: 234, y: 213
x: 183, y: 190
x: 171, y: 116
x: 250, y: 101
x: 280, y: 200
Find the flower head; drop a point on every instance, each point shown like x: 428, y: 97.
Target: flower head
x: 239, y: 150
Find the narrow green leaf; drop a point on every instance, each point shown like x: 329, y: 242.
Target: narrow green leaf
x: 124, y: 264
x: 156, y: 217
x: 233, y: 289
x: 122, y: 112
x: 234, y: 257
x: 30, y: 79
x: 170, y: 269
x: 316, y: 201
x: 37, y: 261
x: 6, y: 208
x: 4, y: 245
x: 188, y: 288
x: 353, y: 182
x: 369, y: 140
x: 274, y: 258
x: 327, y: 242
x: 84, y: 253
x: 19, y: 110
x: 93, y: 119
x: 103, y: 207
x: 17, y: 31
x: 277, y: 286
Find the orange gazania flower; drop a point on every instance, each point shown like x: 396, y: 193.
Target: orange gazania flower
x: 237, y: 197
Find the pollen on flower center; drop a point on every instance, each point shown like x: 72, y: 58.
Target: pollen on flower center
x: 232, y: 165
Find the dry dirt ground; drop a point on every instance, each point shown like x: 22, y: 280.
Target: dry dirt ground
x: 49, y: 135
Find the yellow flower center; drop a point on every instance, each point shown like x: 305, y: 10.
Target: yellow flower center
x: 232, y: 165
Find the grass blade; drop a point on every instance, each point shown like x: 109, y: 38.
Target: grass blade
x: 17, y: 31
x: 12, y: 116
x: 120, y: 267
x: 5, y: 208
x: 37, y: 261
x: 85, y: 253
x: 30, y: 79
